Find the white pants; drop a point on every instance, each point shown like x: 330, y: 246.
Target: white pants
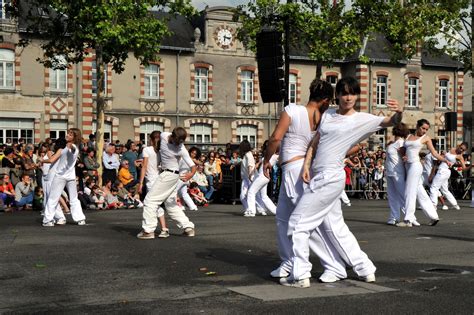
x: 291, y: 189
x: 440, y: 183
x: 257, y: 194
x: 345, y: 199
x: 46, y: 191
x: 163, y: 190
x: 183, y: 193
x: 149, y: 184
x: 53, y: 210
x: 396, y: 196
x: 244, y: 187
x: 320, y: 207
x: 414, y: 191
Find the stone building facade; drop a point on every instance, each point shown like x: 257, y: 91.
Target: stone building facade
x: 207, y: 82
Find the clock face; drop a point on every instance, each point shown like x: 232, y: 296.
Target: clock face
x: 224, y: 37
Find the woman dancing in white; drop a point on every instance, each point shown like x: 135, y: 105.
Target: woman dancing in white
x: 414, y: 180
x: 320, y: 205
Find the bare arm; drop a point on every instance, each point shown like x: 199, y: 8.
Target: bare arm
x: 312, y: 148
x: 463, y: 164
x: 274, y: 141
x: 142, y: 174
x: 54, y: 157
x: 433, y: 151
x: 353, y: 150
x: 189, y: 175
x: 396, y: 118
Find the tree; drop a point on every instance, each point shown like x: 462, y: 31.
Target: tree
x: 110, y: 29
x: 330, y: 30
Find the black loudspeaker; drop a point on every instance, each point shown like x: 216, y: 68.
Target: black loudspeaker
x: 271, y: 73
x: 450, y: 121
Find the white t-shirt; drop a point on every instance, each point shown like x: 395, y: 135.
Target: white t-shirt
x: 272, y: 161
x: 339, y: 133
x: 394, y: 163
x: 66, y: 164
x: 152, y: 165
x: 172, y: 154
x: 247, y: 162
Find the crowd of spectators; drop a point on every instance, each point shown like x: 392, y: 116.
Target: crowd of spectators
x: 21, y: 175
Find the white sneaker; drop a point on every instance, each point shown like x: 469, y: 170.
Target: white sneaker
x: 348, y: 204
x: 279, y: 273
x: 457, y: 207
x: 290, y: 282
x: 404, y: 224
x: 82, y: 222
x: 368, y: 278
x: 328, y: 277
x: 164, y: 233
x: 61, y: 222
x: 445, y: 207
x: 249, y: 214
x: 48, y: 224
x: 189, y: 232
x: 416, y: 223
x: 392, y: 222
x: 263, y: 213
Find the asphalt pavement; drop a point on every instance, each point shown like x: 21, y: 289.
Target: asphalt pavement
x: 102, y: 267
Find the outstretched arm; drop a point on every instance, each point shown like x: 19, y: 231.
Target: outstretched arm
x: 396, y: 118
x: 433, y: 151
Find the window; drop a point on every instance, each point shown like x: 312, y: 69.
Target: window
x: 3, y: 9
x: 441, y: 140
x: 201, y: 133
x: 107, y: 130
x: 57, y: 129
x: 200, y: 84
x: 332, y: 79
x: 381, y: 91
x: 58, y: 74
x: 413, y: 92
x: 443, y: 93
x: 14, y: 129
x: 148, y: 127
x: 247, y: 132
x: 7, y: 69
x: 379, y: 138
x: 292, y: 89
x: 152, y: 81
x: 94, y: 78
x: 246, y: 79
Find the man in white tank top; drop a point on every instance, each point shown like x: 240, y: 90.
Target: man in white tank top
x: 293, y: 134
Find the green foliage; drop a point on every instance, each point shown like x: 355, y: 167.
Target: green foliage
x: 73, y: 28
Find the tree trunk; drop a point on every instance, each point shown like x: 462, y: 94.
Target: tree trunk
x: 319, y: 70
x: 99, y: 133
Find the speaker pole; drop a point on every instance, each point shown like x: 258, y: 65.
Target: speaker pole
x: 287, y: 58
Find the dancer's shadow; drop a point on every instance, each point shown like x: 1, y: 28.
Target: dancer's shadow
x: 365, y: 221
x: 132, y: 231
x: 456, y: 238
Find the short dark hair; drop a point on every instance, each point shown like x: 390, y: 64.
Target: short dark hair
x: 60, y: 143
x: 244, y: 147
x: 179, y: 133
x: 8, y: 150
x: 92, y: 136
x: 401, y: 130
x: 320, y: 90
x: 348, y: 85
x: 198, y: 151
x: 421, y: 122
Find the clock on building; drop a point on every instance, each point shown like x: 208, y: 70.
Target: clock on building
x: 224, y: 37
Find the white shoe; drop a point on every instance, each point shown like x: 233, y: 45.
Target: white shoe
x: 404, y: 224
x: 279, y: 273
x: 248, y: 214
x: 416, y: 223
x: 445, y: 207
x: 457, y: 207
x: 348, y: 204
x: 392, y: 222
x: 290, y: 282
x: 48, y: 224
x: 82, y: 222
x: 328, y: 277
x: 368, y: 278
x: 164, y: 233
x: 263, y: 213
x: 61, y: 222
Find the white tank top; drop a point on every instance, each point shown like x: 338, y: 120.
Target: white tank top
x: 413, y: 148
x: 451, y: 159
x: 428, y: 164
x: 393, y: 163
x: 299, y: 134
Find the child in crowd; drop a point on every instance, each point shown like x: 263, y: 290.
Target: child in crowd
x: 112, y: 199
x: 38, y: 199
x: 197, y: 195
x: 98, y: 198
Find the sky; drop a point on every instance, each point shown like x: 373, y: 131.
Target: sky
x: 201, y: 4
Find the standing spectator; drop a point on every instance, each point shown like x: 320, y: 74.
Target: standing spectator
x: 91, y: 144
x: 8, y: 160
x: 24, y: 192
x: 28, y: 165
x: 131, y: 156
x: 90, y: 163
x: 235, y: 159
x: 210, y: 168
x: 111, y: 164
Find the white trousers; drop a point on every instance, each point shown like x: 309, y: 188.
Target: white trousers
x: 183, y: 193
x: 441, y: 183
x: 53, y: 210
x: 257, y: 194
x: 414, y: 191
x: 396, y: 196
x: 291, y: 189
x: 244, y: 187
x: 46, y: 191
x: 345, y: 199
x: 163, y: 190
x: 320, y: 207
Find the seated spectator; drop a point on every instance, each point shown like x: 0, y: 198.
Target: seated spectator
x: 131, y: 155
x: 24, y: 192
x: 197, y: 195
x: 112, y: 199
x: 38, y: 199
x: 235, y: 159
x: 7, y: 192
x: 8, y: 160
x: 210, y: 169
x: 98, y: 197
x: 127, y: 198
x: 90, y: 163
x: 125, y: 177
x: 200, y: 178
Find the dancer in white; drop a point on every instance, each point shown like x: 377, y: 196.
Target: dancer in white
x: 182, y: 188
x: 320, y: 205
x: 395, y: 172
x: 49, y: 169
x: 441, y: 179
x: 247, y: 170
x: 150, y: 172
x: 163, y: 189
x: 414, y: 181
x: 292, y: 134
x: 257, y: 192
x: 65, y: 176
